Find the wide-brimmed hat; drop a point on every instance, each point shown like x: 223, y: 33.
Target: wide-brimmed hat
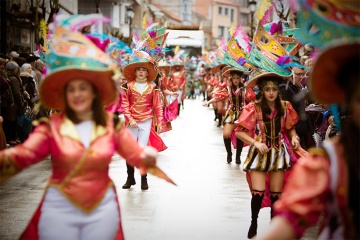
x: 163, y: 65
x: 259, y: 73
x: 71, y: 56
x: 140, y: 59
x: 328, y: 66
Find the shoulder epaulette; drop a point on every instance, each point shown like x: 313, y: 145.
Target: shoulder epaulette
x: 318, y: 152
x: 119, y: 121
x: 37, y: 122
x: 124, y: 86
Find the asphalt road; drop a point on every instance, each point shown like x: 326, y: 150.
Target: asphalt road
x: 211, y: 200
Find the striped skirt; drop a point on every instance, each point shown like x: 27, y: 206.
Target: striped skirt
x: 273, y: 160
x: 231, y: 116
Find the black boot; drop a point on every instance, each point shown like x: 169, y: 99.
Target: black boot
x: 130, y: 179
x: 144, y: 184
x: 220, y: 120
x: 216, y: 115
x: 239, y: 147
x: 274, y: 196
x: 227, y: 142
x: 256, y: 200
x: 179, y: 105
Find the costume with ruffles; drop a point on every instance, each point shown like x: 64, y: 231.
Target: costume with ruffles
x: 78, y: 173
x: 273, y: 131
x: 270, y: 132
x: 322, y: 185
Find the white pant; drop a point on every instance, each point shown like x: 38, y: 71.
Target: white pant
x: 180, y: 92
x: 60, y: 219
x: 170, y: 99
x: 142, y: 132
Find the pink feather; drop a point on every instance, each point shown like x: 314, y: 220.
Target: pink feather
x: 294, y: 5
x: 149, y: 23
x: 102, y: 45
x: 267, y: 15
x: 223, y: 44
x: 243, y: 39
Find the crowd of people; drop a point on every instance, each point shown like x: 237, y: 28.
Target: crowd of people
x: 275, y: 97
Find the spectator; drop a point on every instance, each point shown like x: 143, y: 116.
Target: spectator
x: 13, y: 71
x: 28, y: 83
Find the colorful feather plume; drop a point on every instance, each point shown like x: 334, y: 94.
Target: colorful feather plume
x: 242, y: 39
x: 241, y: 61
x: 100, y: 44
x: 276, y: 28
x: 267, y: 15
x: 144, y: 22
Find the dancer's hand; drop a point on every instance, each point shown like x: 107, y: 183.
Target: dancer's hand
x: 159, y: 129
x: 206, y: 104
x: 261, y: 147
x: 174, y: 94
x: 133, y: 124
x: 295, y: 143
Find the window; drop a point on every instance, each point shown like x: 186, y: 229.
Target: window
x: 220, y: 10
x: 232, y: 15
x: 226, y: 11
x: 221, y: 31
x: 244, y: 19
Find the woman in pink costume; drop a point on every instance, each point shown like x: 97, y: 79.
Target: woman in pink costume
x: 327, y: 182
x: 80, y: 201
x: 237, y: 97
x: 271, y: 120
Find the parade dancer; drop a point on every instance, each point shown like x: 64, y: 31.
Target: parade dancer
x: 335, y: 166
x: 80, y: 200
x: 269, y: 152
x: 238, y: 97
x: 178, y: 77
x: 140, y: 104
x: 168, y: 97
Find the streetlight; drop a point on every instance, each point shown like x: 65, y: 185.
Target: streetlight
x: 130, y: 15
x: 252, y: 7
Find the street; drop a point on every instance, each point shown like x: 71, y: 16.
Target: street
x: 211, y: 200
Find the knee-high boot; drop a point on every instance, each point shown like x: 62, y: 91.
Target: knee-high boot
x: 130, y: 179
x: 239, y: 147
x: 256, y: 200
x: 216, y: 115
x: 227, y: 142
x: 179, y: 105
x: 144, y: 184
x: 220, y: 119
x: 274, y: 196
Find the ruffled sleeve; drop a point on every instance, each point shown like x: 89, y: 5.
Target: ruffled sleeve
x: 291, y: 116
x: 250, y: 95
x: 220, y: 94
x: 304, y: 195
x: 247, y: 119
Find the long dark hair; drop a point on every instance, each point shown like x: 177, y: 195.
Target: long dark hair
x: 262, y: 101
x: 99, y: 114
x: 232, y: 73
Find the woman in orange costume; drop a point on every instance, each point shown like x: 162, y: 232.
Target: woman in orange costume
x: 80, y: 201
x: 269, y: 152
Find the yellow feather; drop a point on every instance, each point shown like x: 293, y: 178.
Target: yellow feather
x: 263, y: 7
x: 231, y: 29
x: 218, y: 42
x: 144, y: 22
x: 176, y: 50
